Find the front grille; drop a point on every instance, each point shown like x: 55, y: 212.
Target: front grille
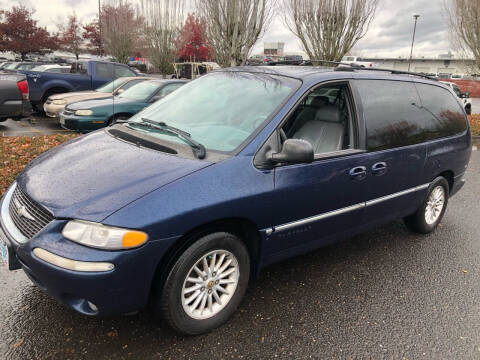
x: 28, y: 216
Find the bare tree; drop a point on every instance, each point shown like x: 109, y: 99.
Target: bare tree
x: 328, y: 29
x: 121, y: 29
x: 163, y: 23
x: 234, y: 26
x: 464, y: 20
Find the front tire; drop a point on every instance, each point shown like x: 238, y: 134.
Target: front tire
x: 432, y: 209
x: 206, y: 284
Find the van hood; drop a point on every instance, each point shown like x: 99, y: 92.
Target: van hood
x: 80, y: 95
x: 95, y: 175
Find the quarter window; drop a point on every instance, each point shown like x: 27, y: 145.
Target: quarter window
x: 104, y: 71
x: 123, y: 71
x: 442, y: 112
x: 392, y: 113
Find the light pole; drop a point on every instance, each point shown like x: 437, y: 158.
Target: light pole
x: 100, y: 27
x: 415, y: 16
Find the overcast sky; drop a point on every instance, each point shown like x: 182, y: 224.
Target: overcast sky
x: 390, y: 33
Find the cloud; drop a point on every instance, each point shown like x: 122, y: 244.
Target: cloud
x: 390, y: 33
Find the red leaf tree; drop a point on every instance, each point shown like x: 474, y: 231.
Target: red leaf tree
x: 91, y: 33
x: 71, y: 36
x: 192, y: 43
x: 20, y: 34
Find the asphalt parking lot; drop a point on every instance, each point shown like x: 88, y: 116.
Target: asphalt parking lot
x: 385, y: 294
x: 31, y: 126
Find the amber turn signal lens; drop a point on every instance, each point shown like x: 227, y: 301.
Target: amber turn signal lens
x: 134, y: 239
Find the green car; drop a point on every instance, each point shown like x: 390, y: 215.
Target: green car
x: 89, y: 115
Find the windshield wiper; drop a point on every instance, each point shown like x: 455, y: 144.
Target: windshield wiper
x: 200, y: 151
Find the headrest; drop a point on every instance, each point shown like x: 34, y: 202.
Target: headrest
x: 319, y: 101
x: 329, y: 113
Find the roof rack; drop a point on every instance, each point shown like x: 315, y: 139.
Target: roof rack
x: 353, y: 67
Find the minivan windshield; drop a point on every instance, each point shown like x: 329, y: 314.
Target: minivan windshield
x: 220, y: 110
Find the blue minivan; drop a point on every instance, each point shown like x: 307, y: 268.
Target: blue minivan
x: 243, y: 167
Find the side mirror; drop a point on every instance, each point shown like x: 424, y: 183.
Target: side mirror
x: 294, y: 151
x: 467, y: 94
x: 119, y: 91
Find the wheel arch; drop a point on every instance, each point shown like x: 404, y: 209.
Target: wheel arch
x: 244, y: 228
x: 449, y: 176
x: 54, y: 90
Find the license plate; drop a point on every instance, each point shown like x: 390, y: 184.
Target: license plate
x: 3, y: 250
x: 62, y: 119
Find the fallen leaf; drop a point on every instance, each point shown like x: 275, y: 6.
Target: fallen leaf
x: 18, y: 343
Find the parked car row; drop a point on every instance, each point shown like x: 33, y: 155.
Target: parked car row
x: 88, y: 115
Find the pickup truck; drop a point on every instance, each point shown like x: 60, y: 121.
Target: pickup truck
x: 13, y: 96
x: 84, y: 75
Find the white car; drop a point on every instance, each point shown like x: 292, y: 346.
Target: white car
x: 357, y: 61
x: 463, y: 97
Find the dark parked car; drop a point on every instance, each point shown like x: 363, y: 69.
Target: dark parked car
x: 88, y: 115
x: 236, y: 170
x: 259, y: 60
x: 14, y: 93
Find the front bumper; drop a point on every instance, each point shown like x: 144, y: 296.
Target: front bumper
x: 52, y: 110
x: 122, y: 290
x: 82, y: 123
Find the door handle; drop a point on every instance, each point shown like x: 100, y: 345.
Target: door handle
x: 379, y: 168
x: 358, y: 173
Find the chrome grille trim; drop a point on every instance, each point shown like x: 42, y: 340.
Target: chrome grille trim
x: 41, y: 217
x: 68, y: 111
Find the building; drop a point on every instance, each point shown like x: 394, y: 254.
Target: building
x: 274, y: 49
x: 444, y: 64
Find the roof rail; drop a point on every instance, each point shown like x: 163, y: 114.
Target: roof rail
x: 353, y: 67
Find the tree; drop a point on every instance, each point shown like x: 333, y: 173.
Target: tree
x: 71, y: 35
x: 192, y: 43
x: 328, y: 29
x: 464, y: 19
x: 91, y: 33
x: 20, y: 34
x: 121, y: 30
x: 163, y: 21
x: 234, y: 26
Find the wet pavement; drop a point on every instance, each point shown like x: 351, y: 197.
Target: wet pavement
x: 31, y: 126
x: 388, y: 293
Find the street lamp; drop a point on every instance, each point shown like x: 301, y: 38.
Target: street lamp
x: 415, y: 16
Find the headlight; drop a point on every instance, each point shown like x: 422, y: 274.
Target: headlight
x: 84, y: 112
x: 59, y: 102
x: 102, y: 236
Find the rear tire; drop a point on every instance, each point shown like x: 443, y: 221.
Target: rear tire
x: 216, y: 268
x: 431, y: 211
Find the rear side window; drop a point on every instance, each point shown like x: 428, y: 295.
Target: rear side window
x: 123, y: 71
x: 104, y: 71
x: 392, y: 113
x: 443, y: 114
